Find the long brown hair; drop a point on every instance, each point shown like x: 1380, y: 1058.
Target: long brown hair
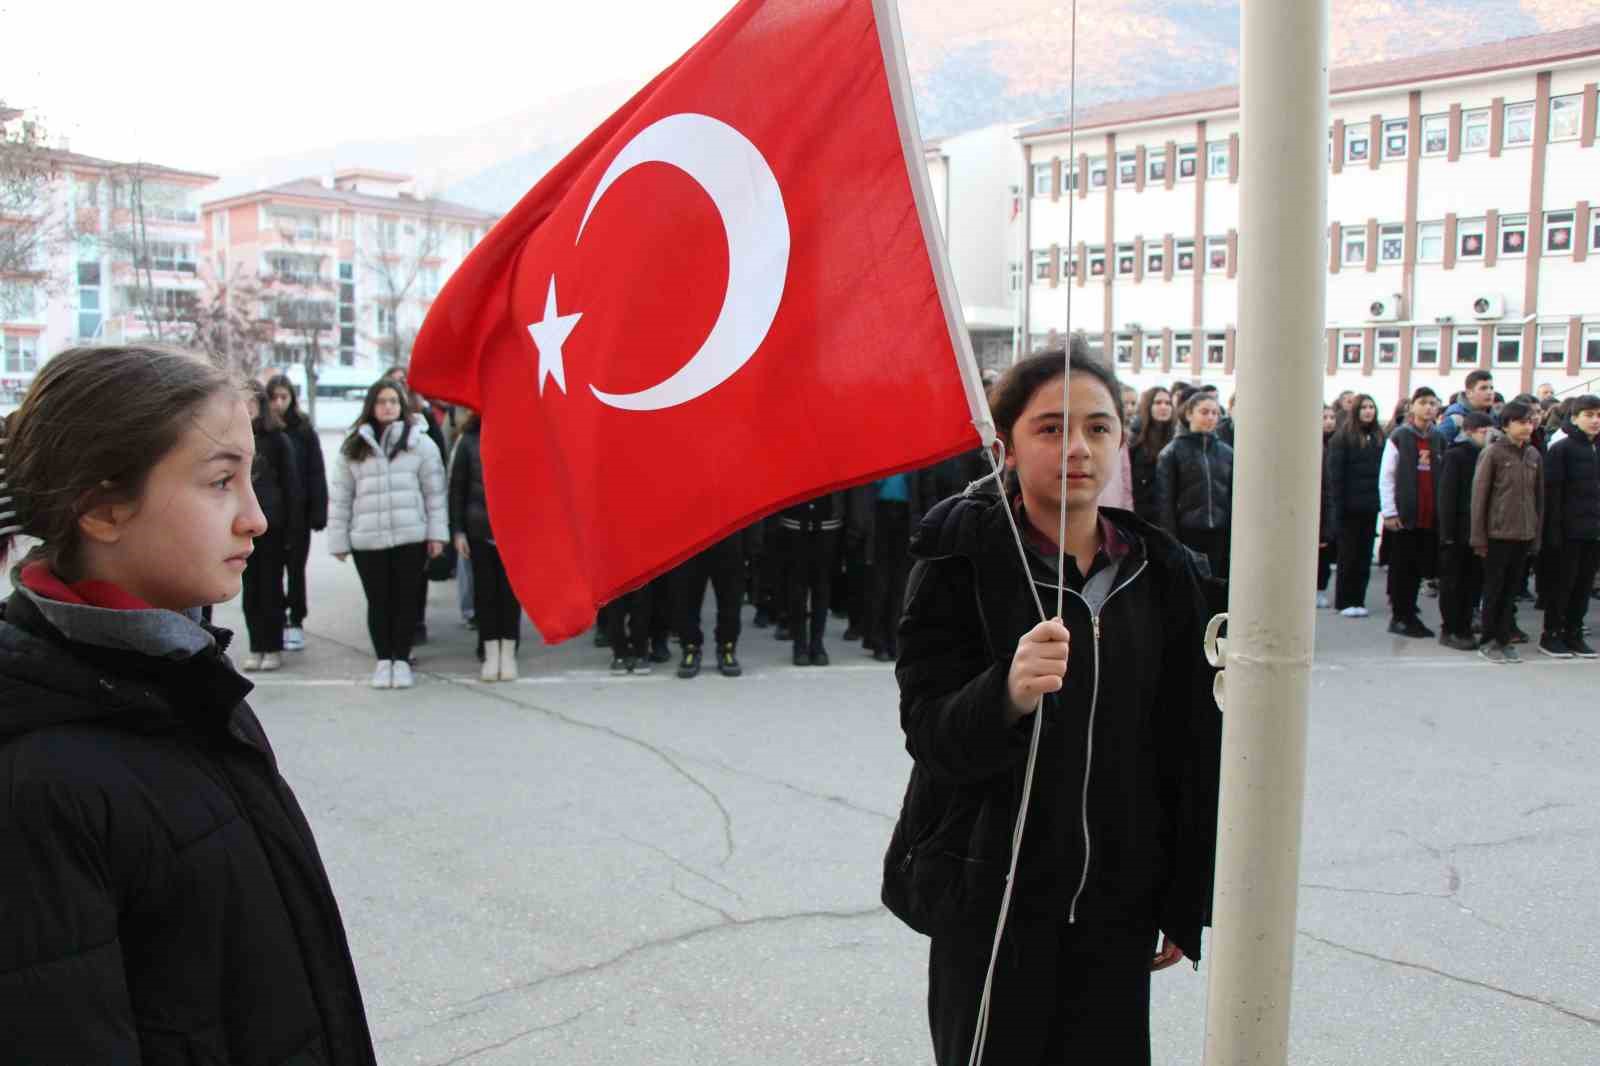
x: 94, y: 424
x: 266, y: 419
x: 355, y: 446
x: 293, y: 416
x: 1154, y: 436
x: 1350, y: 432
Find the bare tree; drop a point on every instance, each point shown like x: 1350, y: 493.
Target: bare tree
x: 228, y: 324
x: 401, y: 258
x: 160, y: 311
x: 34, y: 226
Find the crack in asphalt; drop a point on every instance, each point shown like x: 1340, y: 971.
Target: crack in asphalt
x: 514, y: 1037
x: 1459, y: 979
x: 681, y: 894
x: 1375, y: 891
x: 826, y: 797
x: 680, y: 864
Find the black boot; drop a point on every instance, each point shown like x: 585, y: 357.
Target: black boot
x: 802, y: 655
x: 690, y: 666
x: 728, y: 662
x: 819, y: 654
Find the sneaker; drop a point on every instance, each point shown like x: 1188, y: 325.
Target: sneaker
x: 251, y: 663
x: 1455, y: 643
x: 882, y: 655
x: 819, y: 656
x: 782, y: 632
x: 1518, y: 636
x: 851, y: 634
x: 1355, y: 612
x: 402, y: 674
x: 1580, y: 647
x: 1430, y: 588
x: 659, y: 651
x: 1512, y: 656
x: 619, y: 665
x: 728, y: 662
x: 271, y: 661
x: 1415, y: 628
x: 294, y: 639
x: 641, y: 665
x: 383, y: 674
x: 470, y: 623
x: 802, y: 657
x: 762, y: 620
x: 690, y: 666
x: 1322, y: 602
x: 1554, y: 646
x: 601, y: 639
x: 1495, y: 653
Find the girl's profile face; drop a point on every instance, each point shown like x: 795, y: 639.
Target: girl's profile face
x: 1094, y: 435
x: 1161, y: 407
x: 386, y: 408
x: 184, y: 542
x: 1203, y: 418
x: 281, y: 401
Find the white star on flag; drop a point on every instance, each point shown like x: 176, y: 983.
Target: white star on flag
x: 549, y: 334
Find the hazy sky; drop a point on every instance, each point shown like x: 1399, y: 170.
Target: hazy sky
x: 197, y: 84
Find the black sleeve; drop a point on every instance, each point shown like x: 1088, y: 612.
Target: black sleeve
x: 316, y: 487
x: 952, y: 691
x: 1167, y: 489
x: 1334, y: 470
x: 294, y: 493
x: 460, y: 488
x: 1448, y: 491
x: 1555, y: 494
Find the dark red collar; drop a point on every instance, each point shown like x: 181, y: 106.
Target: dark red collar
x: 39, y: 579
x: 1112, y: 542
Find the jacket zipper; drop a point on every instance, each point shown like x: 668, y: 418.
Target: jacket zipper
x: 1205, y: 459
x: 1088, y: 754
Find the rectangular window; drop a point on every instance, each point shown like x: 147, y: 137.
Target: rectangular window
x: 1552, y: 345
x: 1519, y: 124
x: 1508, y: 346
x: 1354, y: 243
x: 1097, y: 262
x: 347, y: 271
x: 1124, y: 259
x: 18, y: 300
x: 383, y: 320
x: 1127, y: 168
x: 1430, y: 242
x: 347, y: 336
x: 1352, y: 347
x: 1435, y: 134
x: 1069, y: 264
x: 347, y: 314
x: 1041, y: 266
x: 1217, y: 254
x: 1388, y: 347
x: 1014, y: 275
x: 1591, y: 345
x: 1558, y: 232
x: 1124, y: 353
x: 1566, y: 112
x: 1425, y: 346
x: 1152, y: 349
x: 347, y: 225
x: 1357, y: 143
x: 1594, y: 229
x: 1392, y: 242
x: 1155, y: 165
x: 1396, y: 138
x: 1467, y: 345
x: 1069, y: 179
x: 1475, y: 131
x: 1216, y: 349
x: 1469, y: 238
x: 1155, y: 258
x: 1183, y: 256
x: 1042, y: 176
x: 1216, y: 159
x: 1187, y: 161
x: 1097, y: 172
x: 22, y: 353
x: 1182, y: 349
x: 1514, y: 235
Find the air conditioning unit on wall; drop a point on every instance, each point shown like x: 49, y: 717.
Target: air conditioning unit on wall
x: 1384, y: 309
x: 1491, y: 305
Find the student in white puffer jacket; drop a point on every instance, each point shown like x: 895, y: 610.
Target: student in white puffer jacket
x: 388, y: 506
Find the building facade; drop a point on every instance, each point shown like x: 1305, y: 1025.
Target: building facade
x: 1463, y: 224
x: 345, y: 267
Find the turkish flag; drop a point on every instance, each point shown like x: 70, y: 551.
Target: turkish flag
x: 729, y: 298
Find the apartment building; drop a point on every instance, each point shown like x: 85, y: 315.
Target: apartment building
x: 1463, y: 224
x: 347, y: 265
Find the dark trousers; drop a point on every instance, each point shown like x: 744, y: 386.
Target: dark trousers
x: 1356, y: 534
x: 628, y: 620
x: 1325, y: 557
x: 263, y: 593
x: 496, y: 608
x: 389, y: 578
x: 299, y: 550
x: 891, y: 563
x: 1566, y: 600
x: 1214, y: 544
x: 772, y: 576
x: 1460, y: 585
x: 1502, y: 577
x: 663, y: 613
x: 1413, y: 556
x: 859, y: 576
x: 811, y: 560
x: 722, y: 565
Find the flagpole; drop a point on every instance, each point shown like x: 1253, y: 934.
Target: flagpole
x: 1283, y: 191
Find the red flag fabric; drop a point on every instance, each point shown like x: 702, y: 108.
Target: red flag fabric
x: 727, y: 299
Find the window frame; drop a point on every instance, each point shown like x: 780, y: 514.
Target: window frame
x: 1427, y: 231
x: 1524, y: 119
x: 1093, y: 253
x: 1217, y: 152
x: 1098, y: 174
x: 1353, y: 238
x: 1554, y: 222
x: 1570, y: 103
x: 1154, y: 345
x: 1388, y: 336
x: 1503, y: 335
x: 1388, y: 231
x: 1426, y: 338
x: 1045, y: 171
x: 1212, y: 244
x: 1154, y: 158
x: 1040, y: 259
x: 1124, y: 254
x: 1472, y: 337
x: 1218, y: 340
x: 1352, y: 341
x: 1357, y: 133
x: 1466, y: 230
x: 1473, y: 122
x: 1542, y: 338
x: 1068, y: 268
x: 1127, y: 169
x: 1155, y: 258
x: 1179, y: 247
x: 1182, y: 348
x: 1191, y: 153
x: 1511, y: 225
x: 1590, y: 340
x: 1438, y: 125
x: 1392, y: 128
x: 1123, y: 342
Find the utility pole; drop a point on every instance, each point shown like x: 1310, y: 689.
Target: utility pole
x: 1271, y: 617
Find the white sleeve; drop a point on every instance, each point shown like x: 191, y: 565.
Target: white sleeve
x: 1386, y: 472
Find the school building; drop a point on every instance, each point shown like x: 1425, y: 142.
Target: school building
x: 1463, y: 224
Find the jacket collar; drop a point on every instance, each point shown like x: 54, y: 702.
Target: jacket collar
x: 149, y: 631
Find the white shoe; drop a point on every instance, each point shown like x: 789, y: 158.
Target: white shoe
x: 251, y: 663
x: 402, y: 674
x: 271, y: 661
x: 508, y: 660
x: 1355, y: 612
x: 1322, y: 602
x: 294, y: 639
x: 383, y: 675
x: 491, y: 661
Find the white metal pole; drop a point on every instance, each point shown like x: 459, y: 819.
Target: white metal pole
x: 1282, y: 196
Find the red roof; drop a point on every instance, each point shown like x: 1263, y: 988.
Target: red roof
x: 1436, y: 66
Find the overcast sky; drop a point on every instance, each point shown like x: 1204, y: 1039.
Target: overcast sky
x: 196, y: 84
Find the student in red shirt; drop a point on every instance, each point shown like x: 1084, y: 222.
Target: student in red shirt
x: 1407, y: 494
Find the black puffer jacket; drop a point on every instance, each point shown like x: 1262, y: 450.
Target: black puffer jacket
x: 1143, y: 471
x: 275, y: 476
x: 469, y: 504
x: 1572, y: 488
x: 1453, y: 490
x: 1137, y: 682
x: 313, y: 471
x: 1351, y: 470
x: 161, y: 898
x: 1194, y: 483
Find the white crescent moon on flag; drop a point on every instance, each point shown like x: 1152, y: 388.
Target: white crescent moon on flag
x: 734, y: 174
